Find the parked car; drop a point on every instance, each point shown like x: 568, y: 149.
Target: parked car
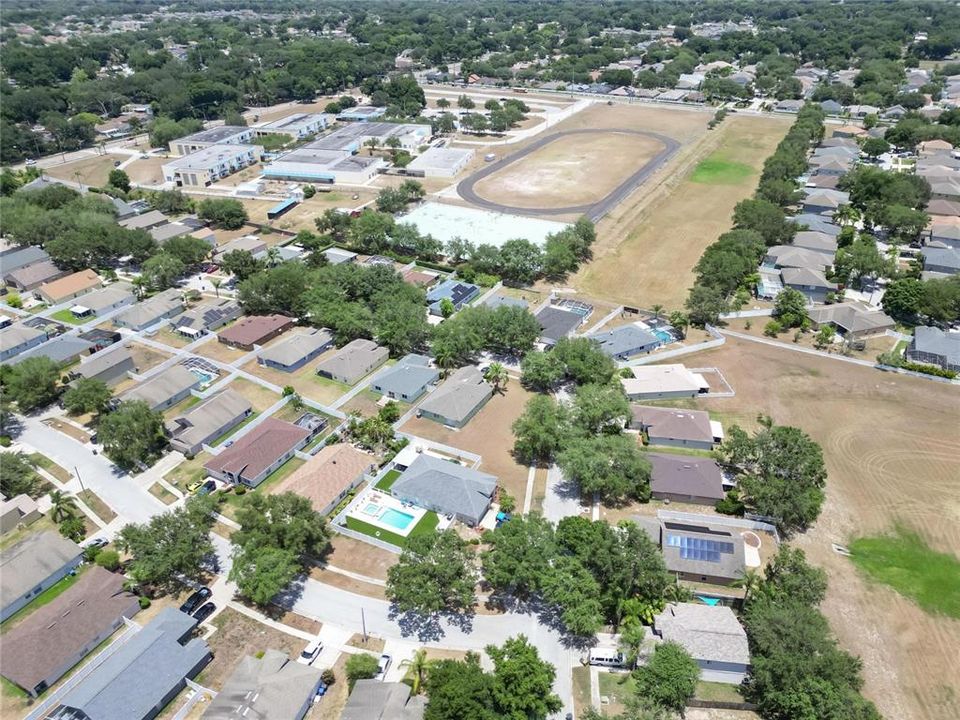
x: 194, y: 601
x: 204, y: 612
x: 384, y: 665
x: 194, y: 486
x: 97, y: 543
x: 311, y: 652
x: 208, y: 487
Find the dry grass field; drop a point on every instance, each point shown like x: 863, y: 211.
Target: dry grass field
x: 571, y: 170
x: 647, y: 247
x: 302, y: 216
x: 93, y: 170
x: 891, y: 447
x: 147, y: 172
x: 305, y: 380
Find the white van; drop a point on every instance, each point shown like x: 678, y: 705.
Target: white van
x: 310, y: 652
x: 607, y: 657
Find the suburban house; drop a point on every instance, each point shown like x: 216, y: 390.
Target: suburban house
x: 790, y: 256
x: 268, y: 686
x: 207, y: 421
x: 420, y: 278
x: 31, y: 566
x: 20, y: 510
x: 815, y: 241
x: 407, y: 380
x: 852, y: 320
x: 255, y: 330
x: 663, y: 382
x: 297, y: 350
x: 353, y: 361
x: 109, y: 367
x: 941, y: 260
x: 142, y: 315
x: 456, y: 291
x: 258, y: 453
x: 15, y: 339
x: 69, y: 287
x: 63, y: 350
x: 811, y: 283
x: 329, y: 475
x: 712, y: 635
x: 142, y: 676
x: 686, y: 478
x: 626, y: 341
x: 337, y: 256
x: 376, y: 700
x: 933, y: 346
x: 206, y: 317
x: 249, y: 243
x: 15, y: 258
x: 165, y: 389
x: 99, y: 302
x: 29, y: 278
x: 222, y: 135
x: 43, y: 647
x: 556, y: 323
x: 447, y: 488
x: 458, y: 398
x: 704, y: 552
x: 147, y: 221
x: 818, y: 223
x: 674, y: 427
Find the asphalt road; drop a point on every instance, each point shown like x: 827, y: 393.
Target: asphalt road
x: 594, y: 211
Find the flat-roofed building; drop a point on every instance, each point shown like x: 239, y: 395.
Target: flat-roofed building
x: 207, y: 166
x: 329, y: 475
x: 31, y: 566
x: 69, y: 287
x: 258, y: 453
x: 295, y: 351
x: 207, y: 421
x: 222, y: 135
x: 165, y: 389
x: 440, y: 162
x: 297, y: 125
x: 657, y: 382
x: 354, y: 360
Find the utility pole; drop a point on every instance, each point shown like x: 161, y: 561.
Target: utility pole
x: 363, y: 621
x: 77, y: 471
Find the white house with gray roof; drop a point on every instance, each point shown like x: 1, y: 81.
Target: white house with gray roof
x: 165, y: 389
x: 100, y: 302
x: 142, y: 315
x: 933, y: 346
x: 354, y: 360
x: 110, y: 366
x: 33, y: 565
x: 458, y: 398
x: 206, y: 317
x: 296, y: 350
x: 208, y: 421
x: 446, y: 487
x: 626, y: 341
x: 15, y: 339
x: 407, y: 380
x: 712, y: 635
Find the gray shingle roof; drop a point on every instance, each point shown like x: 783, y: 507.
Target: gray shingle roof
x: 726, y: 564
x: 935, y: 257
x: 935, y: 341
x: 297, y: 346
x: 151, y: 664
x: 673, y: 423
x: 556, y: 323
x: 31, y: 561
x: 851, y: 317
x: 375, y: 700
x: 101, y: 361
x: 200, y: 423
x: 272, y: 687
x: 686, y: 475
x: 407, y: 378
x: 163, y: 386
x: 24, y: 257
x: 143, y: 314
x: 624, y: 339
x: 459, y: 395
x: 446, y: 486
x: 59, y: 349
x: 354, y: 358
x: 708, y: 633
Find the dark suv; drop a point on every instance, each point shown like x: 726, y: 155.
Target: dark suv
x: 195, y: 600
x: 204, y: 612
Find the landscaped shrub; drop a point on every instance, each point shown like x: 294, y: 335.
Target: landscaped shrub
x: 108, y: 560
x: 772, y: 328
x: 240, y: 490
x: 144, y: 602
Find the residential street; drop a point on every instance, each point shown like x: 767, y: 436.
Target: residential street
x: 562, y: 498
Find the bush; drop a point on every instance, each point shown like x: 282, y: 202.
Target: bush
x: 14, y: 300
x: 929, y: 370
x: 772, y: 328
x: 144, y: 602
x: 73, y: 529
x: 240, y: 490
x: 507, y: 502
x: 288, y: 390
x: 90, y: 553
x: 327, y: 677
x: 626, y: 372
x: 361, y: 667
x: 309, y: 191
x: 109, y: 560
x: 731, y: 504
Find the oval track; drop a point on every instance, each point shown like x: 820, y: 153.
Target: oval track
x: 594, y: 211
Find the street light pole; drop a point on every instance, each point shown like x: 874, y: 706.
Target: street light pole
x: 363, y: 621
x: 77, y: 471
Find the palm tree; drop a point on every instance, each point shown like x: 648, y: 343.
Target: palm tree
x: 752, y: 583
x: 216, y: 282
x: 657, y: 309
x: 62, y: 507
x: 139, y: 284
x: 417, y: 669
x: 497, y: 376
x: 273, y: 256
x: 846, y: 215
x: 680, y: 322
x: 372, y: 143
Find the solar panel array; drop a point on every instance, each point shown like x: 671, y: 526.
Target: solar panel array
x: 693, y: 548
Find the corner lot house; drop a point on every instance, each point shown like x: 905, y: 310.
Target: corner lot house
x: 458, y: 398
x: 269, y: 687
x: 21, y: 510
x: 687, y: 479
x: 447, y: 488
x: 208, y: 421
x: 142, y: 315
x: 258, y: 453
x: 626, y: 341
x: 206, y: 317
x: 41, y: 649
x: 712, y: 635
x: 101, y: 302
x: 851, y: 320
x: 110, y: 367
x: 660, y: 382
x: 407, y: 380
x: 296, y: 351
x: 375, y: 700
x: 556, y: 323
x: 31, y: 566
x: 139, y: 679
x: 676, y: 428
x: 165, y: 389
x: 354, y: 360
x: 933, y: 346
x: 15, y: 339
x: 254, y: 330
x: 69, y: 287
x: 329, y: 475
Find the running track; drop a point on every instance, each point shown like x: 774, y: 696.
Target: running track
x: 594, y: 211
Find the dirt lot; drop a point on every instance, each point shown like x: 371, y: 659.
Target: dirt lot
x: 216, y: 350
x: 147, y: 172
x: 891, y: 448
x: 260, y: 397
x: 302, y: 216
x: 572, y: 170
x: 488, y: 434
x: 93, y: 170
x: 647, y: 246
x: 360, y: 557
x: 305, y: 380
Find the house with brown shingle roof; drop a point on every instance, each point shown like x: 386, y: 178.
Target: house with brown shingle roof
x: 258, y: 453
x: 675, y: 427
x: 327, y: 477
x: 33, y: 276
x: 686, y: 478
x: 41, y: 649
x: 69, y: 287
x: 254, y: 330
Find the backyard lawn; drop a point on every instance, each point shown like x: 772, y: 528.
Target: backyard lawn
x: 68, y: 317
x: 387, y: 481
x: 427, y: 525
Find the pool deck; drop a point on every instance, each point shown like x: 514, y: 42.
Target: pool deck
x: 384, y: 503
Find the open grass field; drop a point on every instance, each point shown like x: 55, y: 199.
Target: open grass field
x: 906, y: 563
x: 488, y: 434
x: 93, y: 170
x: 571, y: 170
x: 891, y: 450
x: 648, y: 245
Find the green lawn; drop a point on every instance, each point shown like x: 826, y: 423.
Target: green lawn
x: 906, y: 563
x: 47, y: 596
x: 51, y: 467
x: 272, y: 479
x: 717, y: 170
x: 617, y: 686
x: 387, y: 481
x: 427, y: 525
x: 719, y: 692
x: 68, y: 317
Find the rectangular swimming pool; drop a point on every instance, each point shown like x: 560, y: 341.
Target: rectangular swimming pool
x: 396, y: 519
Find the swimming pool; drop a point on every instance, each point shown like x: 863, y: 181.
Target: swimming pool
x: 663, y: 336
x: 205, y: 378
x: 396, y: 519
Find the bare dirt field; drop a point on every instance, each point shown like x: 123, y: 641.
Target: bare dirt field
x: 572, y: 170
x: 93, y: 170
x: 360, y: 557
x: 146, y: 172
x: 302, y: 216
x: 649, y: 244
x: 488, y: 434
x: 305, y: 380
x: 260, y: 397
x: 891, y: 447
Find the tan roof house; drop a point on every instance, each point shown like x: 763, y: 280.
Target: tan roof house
x: 69, y: 287
x: 327, y: 477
